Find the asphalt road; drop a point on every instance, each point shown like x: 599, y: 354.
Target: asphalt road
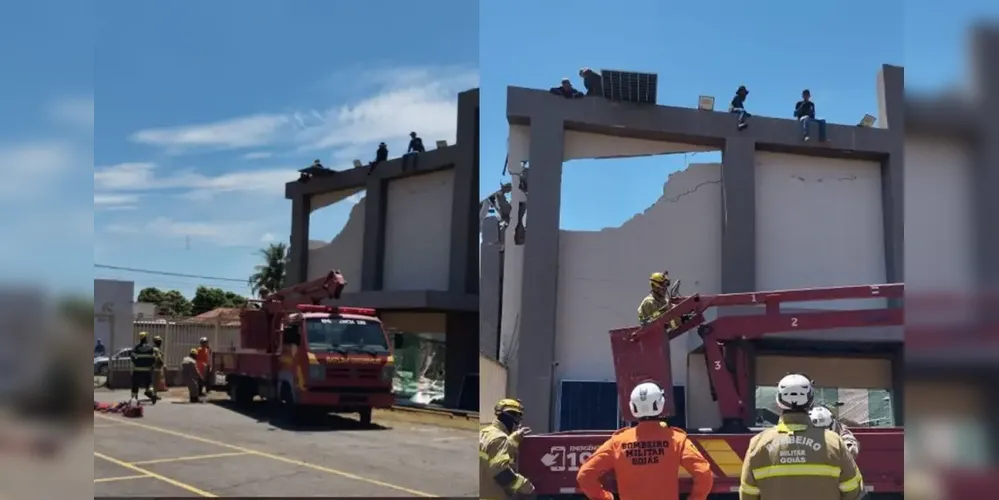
x: 181, y: 449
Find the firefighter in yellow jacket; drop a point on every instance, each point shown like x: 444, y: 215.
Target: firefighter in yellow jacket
x: 657, y: 301
x: 795, y: 459
x: 498, y: 442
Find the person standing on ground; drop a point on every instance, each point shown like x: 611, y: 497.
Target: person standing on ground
x: 204, y: 359
x: 99, y: 349
x: 824, y: 418
x: 159, y: 366
x: 794, y: 459
x: 143, y: 358
x: 646, y: 459
x: 498, y: 443
x: 192, y: 379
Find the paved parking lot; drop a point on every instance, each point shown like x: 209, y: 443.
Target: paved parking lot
x: 207, y: 450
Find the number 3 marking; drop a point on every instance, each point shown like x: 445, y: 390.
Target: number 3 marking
x: 717, y: 365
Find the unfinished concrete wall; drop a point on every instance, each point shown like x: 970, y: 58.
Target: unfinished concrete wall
x: 418, y: 232
x: 939, y: 227
x: 818, y: 223
x: 602, y: 274
x: 490, y: 286
x: 345, y: 251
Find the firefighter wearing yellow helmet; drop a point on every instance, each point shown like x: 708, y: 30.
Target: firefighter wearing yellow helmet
x: 498, y: 443
x: 657, y: 301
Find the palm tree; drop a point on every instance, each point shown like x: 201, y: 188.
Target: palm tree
x: 269, y: 276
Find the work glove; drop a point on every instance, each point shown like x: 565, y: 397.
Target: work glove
x: 526, y: 489
x: 520, y: 433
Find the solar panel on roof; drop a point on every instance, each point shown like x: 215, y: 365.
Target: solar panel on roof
x: 628, y: 86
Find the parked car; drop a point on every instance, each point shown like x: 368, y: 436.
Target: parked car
x: 102, y: 363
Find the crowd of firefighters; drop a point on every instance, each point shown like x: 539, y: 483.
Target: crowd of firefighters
x: 149, y: 369
x: 808, y: 454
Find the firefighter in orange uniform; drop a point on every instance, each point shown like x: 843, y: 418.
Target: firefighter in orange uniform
x: 795, y: 459
x: 646, y: 459
x: 204, y: 359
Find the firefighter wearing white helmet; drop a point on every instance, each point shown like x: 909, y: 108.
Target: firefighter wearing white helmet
x: 646, y: 459
x: 823, y: 417
x: 795, y: 459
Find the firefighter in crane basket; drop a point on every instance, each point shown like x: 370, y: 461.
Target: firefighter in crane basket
x: 646, y: 459
x: 498, y: 443
x: 658, y: 301
x: 795, y: 459
x: 824, y: 418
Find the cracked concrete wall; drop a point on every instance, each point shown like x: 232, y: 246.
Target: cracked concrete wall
x: 834, y: 234
x: 602, y: 274
x: 345, y: 251
x: 418, y: 232
x: 938, y: 231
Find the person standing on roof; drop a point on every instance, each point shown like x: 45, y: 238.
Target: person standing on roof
x: 794, y: 459
x: 204, y: 359
x: 822, y: 417
x: 498, y: 443
x: 143, y: 358
x: 646, y: 459
x: 592, y: 82
x: 657, y: 301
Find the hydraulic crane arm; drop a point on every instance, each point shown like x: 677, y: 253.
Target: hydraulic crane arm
x: 643, y: 353
x: 311, y: 292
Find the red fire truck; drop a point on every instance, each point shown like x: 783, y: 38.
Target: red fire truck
x: 643, y: 353
x: 309, y: 357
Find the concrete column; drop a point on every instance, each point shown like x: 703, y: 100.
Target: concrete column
x: 738, y: 215
x: 891, y: 82
x: 490, y: 287
x: 298, y: 250
x: 460, y: 360
x: 513, y: 266
x: 373, y: 258
x: 464, y: 204
x: 536, y: 347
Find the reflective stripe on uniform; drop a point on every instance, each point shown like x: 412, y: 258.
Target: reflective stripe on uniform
x: 748, y: 489
x: 851, y: 484
x: 796, y: 470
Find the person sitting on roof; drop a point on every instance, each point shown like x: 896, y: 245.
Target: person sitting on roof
x: 566, y: 90
x: 592, y: 82
x: 415, y: 144
x: 804, y: 111
x: 381, y: 154
x: 738, y: 106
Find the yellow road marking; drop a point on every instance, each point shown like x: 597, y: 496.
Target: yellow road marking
x: 271, y: 456
x: 722, y: 454
x: 140, y: 470
x: 120, y: 478
x: 184, y: 459
x: 104, y: 426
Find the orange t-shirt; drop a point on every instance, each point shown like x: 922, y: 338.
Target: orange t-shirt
x: 646, y: 461
x: 204, y: 358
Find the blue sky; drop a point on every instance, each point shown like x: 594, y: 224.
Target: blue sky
x: 834, y: 49
x: 206, y: 109
x: 46, y: 144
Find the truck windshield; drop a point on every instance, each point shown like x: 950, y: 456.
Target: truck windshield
x: 345, y: 335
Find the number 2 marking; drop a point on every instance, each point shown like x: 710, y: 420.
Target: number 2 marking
x: 794, y: 322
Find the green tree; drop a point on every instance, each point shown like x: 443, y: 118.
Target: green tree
x: 151, y: 295
x: 172, y: 303
x: 209, y: 298
x: 269, y: 276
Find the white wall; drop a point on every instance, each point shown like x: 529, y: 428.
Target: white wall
x: 492, y: 387
x: 344, y: 251
x: 113, y: 313
x: 818, y: 223
x: 418, y: 232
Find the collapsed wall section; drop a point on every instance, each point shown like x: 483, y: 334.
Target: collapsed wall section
x: 345, y: 251
x: 603, y: 275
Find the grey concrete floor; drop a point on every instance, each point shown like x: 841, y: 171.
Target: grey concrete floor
x: 181, y: 449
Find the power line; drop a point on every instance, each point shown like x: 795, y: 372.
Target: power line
x: 166, y: 273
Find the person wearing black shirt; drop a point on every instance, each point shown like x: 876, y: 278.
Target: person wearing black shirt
x: 381, y: 154
x: 415, y: 144
x: 566, y: 90
x: 738, y: 106
x: 804, y: 111
x: 592, y: 82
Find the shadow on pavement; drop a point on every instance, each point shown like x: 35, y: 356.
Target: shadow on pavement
x: 311, y: 421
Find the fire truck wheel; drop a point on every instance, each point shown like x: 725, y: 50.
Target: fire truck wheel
x: 243, y: 392
x: 365, y: 416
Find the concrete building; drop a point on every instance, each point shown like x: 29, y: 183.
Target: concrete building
x: 113, y: 313
x: 776, y: 213
x: 408, y: 247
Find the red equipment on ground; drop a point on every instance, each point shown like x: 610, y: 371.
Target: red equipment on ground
x: 307, y: 356
x: 643, y: 353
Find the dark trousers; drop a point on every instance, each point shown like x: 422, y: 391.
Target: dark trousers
x: 141, y: 380
x: 806, y: 122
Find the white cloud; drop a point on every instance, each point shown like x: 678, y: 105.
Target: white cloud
x: 115, y: 201
x: 221, y: 233
x: 268, y: 238
x: 242, y: 132
x: 146, y: 177
x: 257, y: 155
x: 27, y: 167
x: 78, y: 112
x: 407, y: 99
